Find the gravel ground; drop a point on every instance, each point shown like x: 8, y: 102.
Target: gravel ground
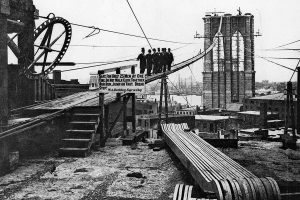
x: 268, y: 159
x: 102, y: 175
x: 105, y: 173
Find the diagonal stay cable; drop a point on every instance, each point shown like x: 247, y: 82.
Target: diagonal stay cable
x: 98, y: 65
x: 139, y: 23
x: 287, y: 44
x: 278, y: 64
x: 295, y: 70
x: 185, y: 98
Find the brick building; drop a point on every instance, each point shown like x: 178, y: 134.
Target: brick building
x: 275, y: 104
x: 213, y: 123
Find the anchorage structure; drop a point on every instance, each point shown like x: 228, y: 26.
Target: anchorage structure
x: 228, y: 75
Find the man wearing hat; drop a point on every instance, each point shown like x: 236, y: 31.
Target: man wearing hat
x: 170, y: 59
x: 155, y: 59
x: 149, y: 61
x: 142, y: 60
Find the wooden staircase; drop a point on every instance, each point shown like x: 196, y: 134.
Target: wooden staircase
x: 81, y: 132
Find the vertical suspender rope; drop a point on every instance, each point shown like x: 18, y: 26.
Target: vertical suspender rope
x: 139, y: 23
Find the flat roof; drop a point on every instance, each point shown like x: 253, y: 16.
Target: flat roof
x: 277, y: 96
x: 212, y: 117
x: 254, y: 112
x: 234, y: 107
x: 275, y: 120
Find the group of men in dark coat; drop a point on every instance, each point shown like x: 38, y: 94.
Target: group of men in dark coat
x: 155, y: 62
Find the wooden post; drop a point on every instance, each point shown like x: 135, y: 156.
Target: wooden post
x: 133, y: 99
x: 100, y: 130
x: 160, y: 102
x: 118, y: 71
x: 46, y: 90
x: 125, y: 115
x: 298, y: 101
x: 106, y: 121
x: 36, y: 83
x: 3, y: 72
x: 166, y: 98
x: 101, y: 123
x: 40, y: 89
x: 25, y: 44
x: 54, y: 94
x: 43, y: 89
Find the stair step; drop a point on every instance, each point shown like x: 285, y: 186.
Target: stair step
x: 81, y: 152
x: 86, y: 114
x: 80, y: 131
x: 83, y: 122
x: 74, y: 149
x: 76, y: 140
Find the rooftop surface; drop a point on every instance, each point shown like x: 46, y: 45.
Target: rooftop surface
x: 211, y: 117
x: 234, y: 107
x: 278, y: 97
x: 103, y: 175
x: 254, y: 112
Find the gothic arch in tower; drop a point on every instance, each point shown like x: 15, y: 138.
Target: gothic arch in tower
x: 238, y: 52
x: 218, y: 54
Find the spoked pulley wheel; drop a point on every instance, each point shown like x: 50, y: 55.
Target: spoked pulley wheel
x: 51, y: 41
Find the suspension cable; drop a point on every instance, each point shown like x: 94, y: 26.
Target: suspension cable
x: 295, y: 70
x: 269, y: 60
x: 139, y: 23
x: 122, y: 33
x: 287, y: 44
x: 98, y: 65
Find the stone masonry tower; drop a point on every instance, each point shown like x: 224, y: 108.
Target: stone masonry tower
x: 228, y: 75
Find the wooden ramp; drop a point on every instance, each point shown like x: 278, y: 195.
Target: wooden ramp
x: 214, y: 171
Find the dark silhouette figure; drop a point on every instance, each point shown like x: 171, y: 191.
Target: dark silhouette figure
x: 142, y: 60
x: 164, y: 59
x: 149, y: 62
x: 170, y: 59
x: 155, y: 58
x: 159, y: 55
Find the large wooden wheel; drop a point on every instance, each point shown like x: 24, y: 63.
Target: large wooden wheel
x: 48, y: 51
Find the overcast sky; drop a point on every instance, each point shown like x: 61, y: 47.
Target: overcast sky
x: 175, y: 20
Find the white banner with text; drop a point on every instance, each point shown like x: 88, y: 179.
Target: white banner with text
x: 122, y: 83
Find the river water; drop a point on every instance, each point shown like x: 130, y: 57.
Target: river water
x: 193, y: 100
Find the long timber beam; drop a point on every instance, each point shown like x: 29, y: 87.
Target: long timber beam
x: 214, y: 171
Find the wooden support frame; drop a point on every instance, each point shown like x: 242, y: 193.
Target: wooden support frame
x: 26, y: 47
x: 160, y: 103
x: 116, y: 119
x: 133, y: 117
x: 101, y: 121
x: 118, y: 71
x: 14, y: 26
x: 133, y: 99
x: 3, y: 72
x: 100, y: 129
x: 166, y: 99
x: 106, y: 120
x: 298, y: 100
x: 125, y: 130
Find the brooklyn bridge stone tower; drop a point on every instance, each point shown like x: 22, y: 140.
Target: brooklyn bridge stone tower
x: 228, y: 75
